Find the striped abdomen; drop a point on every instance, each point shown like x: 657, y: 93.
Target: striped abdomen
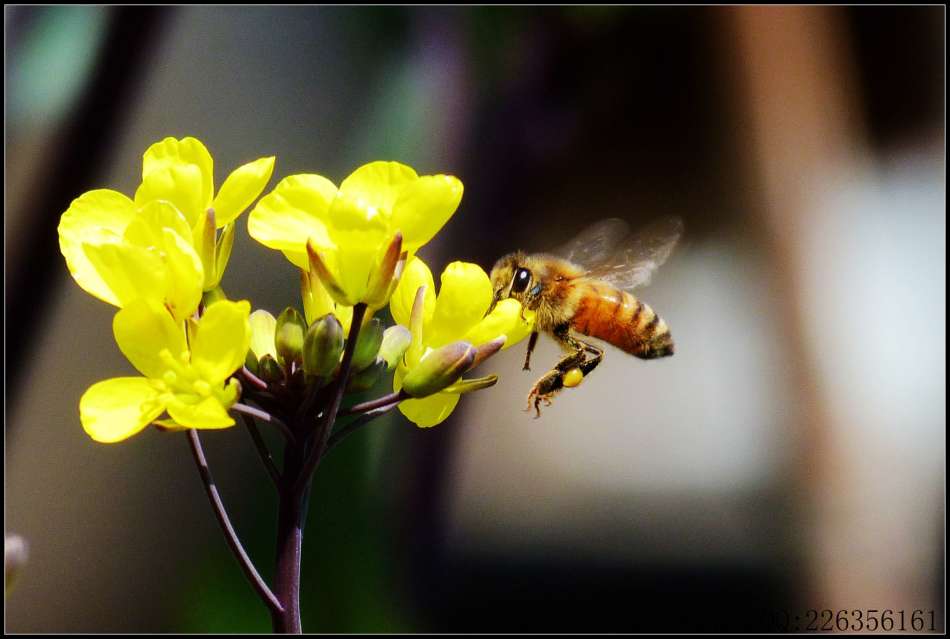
x: 619, y: 318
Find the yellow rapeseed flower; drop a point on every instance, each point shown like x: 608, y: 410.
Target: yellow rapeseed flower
x: 457, y: 313
x: 352, y: 227
x: 183, y: 375
x: 159, y: 245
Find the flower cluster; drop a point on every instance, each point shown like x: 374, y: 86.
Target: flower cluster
x: 160, y: 255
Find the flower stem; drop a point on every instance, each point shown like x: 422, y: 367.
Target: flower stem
x: 299, y: 465
x: 336, y: 398
x: 233, y: 542
x: 262, y: 448
x: 290, y: 522
x: 253, y: 379
x: 379, y: 402
x: 264, y: 416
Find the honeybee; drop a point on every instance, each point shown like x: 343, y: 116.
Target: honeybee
x: 583, y: 288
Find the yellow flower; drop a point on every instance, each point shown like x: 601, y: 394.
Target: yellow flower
x: 317, y: 302
x: 263, y: 328
x: 181, y: 172
x: 119, y: 253
x: 182, y: 375
x: 457, y: 313
x: 159, y: 245
x: 351, y: 228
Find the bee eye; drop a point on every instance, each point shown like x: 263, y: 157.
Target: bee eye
x: 521, y: 281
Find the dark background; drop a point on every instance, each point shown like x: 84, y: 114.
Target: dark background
x: 789, y: 457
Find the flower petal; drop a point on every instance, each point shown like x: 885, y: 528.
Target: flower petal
x: 416, y: 274
x: 345, y: 315
x: 505, y: 319
x: 464, y: 297
x: 206, y: 413
x: 180, y: 184
x: 142, y: 330
x: 129, y: 272
x: 94, y: 217
x: 115, y: 409
x: 378, y: 184
x: 221, y: 341
x: 424, y: 207
x: 360, y: 234
x: 295, y: 211
x: 145, y: 229
x: 185, y: 275
x: 187, y: 152
x: 161, y: 230
x: 241, y: 188
x: 429, y: 411
x: 316, y: 300
x: 263, y: 326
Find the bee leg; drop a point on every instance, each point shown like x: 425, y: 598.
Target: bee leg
x: 590, y: 364
x: 553, y: 381
x: 532, y: 342
x: 544, y: 389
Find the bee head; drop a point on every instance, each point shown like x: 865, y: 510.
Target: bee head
x: 510, y: 278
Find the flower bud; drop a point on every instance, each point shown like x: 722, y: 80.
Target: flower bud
x: 288, y: 337
x: 439, y: 369
x: 366, y: 378
x: 263, y: 328
x: 468, y: 385
x: 488, y: 349
x: 250, y: 361
x: 319, y: 271
x: 395, y: 343
x: 367, y: 344
x: 203, y: 235
x: 322, y: 346
x: 269, y: 370
x: 380, y: 282
x: 222, y: 251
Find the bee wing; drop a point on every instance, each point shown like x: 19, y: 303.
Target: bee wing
x: 634, y: 259
x: 595, y: 244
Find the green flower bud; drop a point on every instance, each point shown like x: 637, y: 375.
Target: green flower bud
x: 250, y: 361
x: 439, y: 369
x: 366, y: 378
x: 488, y: 349
x: 322, y: 346
x: 395, y: 344
x: 288, y: 337
x: 269, y: 370
x: 468, y: 385
x: 367, y: 344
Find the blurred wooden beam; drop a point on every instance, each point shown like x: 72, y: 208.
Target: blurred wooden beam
x: 799, y: 114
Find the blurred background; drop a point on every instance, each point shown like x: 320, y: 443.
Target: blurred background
x: 791, y: 456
